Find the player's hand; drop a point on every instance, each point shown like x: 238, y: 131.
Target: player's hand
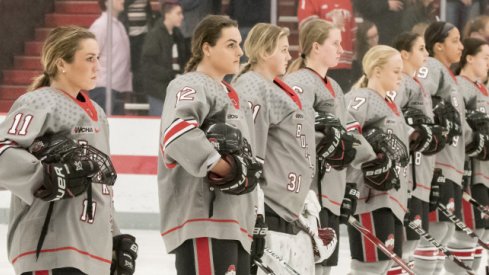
x: 258, y: 245
x: 395, y: 5
x: 124, y: 254
x: 349, y: 204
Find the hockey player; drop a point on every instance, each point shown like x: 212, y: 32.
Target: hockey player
x: 207, y: 200
x: 320, y: 43
x: 416, y: 106
x: 383, y: 194
x: 444, y: 47
x: 51, y: 229
x: 285, y: 144
x: 472, y: 71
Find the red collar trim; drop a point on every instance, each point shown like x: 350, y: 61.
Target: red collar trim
x: 452, y: 75
x: 392, y: 105
x: 479, y: 86
x: 327, y: 83
x: 420, y: 86
x: 232, y: 94
x: 87, y: 106
x: 289, y: 91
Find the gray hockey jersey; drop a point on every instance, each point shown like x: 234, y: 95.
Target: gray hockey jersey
x: 185, y: 157
x: 327, y: 96
x: 370, y: 109
x: 440, y: 81
x: 285, y: 143
x: 476, y: 97
x: 412, y: 94
x: 73, y: 239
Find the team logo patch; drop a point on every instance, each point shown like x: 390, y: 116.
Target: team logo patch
x: 297, y: 89
x: 451, y: 205
x: 417, y: 220
x: 389, y: 243
x: 85, y: 130
x: 231, y: 270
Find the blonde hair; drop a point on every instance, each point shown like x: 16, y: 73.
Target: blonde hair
x: 377, y: 56
x: 313, y: 30
x: 207, y: 31
x: 61, y: 43
x: 262, y: 39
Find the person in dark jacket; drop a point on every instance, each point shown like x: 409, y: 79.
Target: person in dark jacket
x: 163, y: 56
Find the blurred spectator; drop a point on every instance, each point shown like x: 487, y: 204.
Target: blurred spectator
x: 420, y: 28
x: 367, y: 37
x: 138, y: 19
x: 120, y: 54
x: 459, y: 11
x: 418, y: 12
x: 385, y: 14
x: 163, y: 55
x: 193, y: 12
x: 340, y: 13
x: 477, y: 28
x: 248, y: 13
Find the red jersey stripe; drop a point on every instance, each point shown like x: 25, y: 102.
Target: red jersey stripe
x: 206, y: 220
x: 53, y: 250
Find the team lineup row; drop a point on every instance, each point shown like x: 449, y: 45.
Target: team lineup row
x: 256, y: 176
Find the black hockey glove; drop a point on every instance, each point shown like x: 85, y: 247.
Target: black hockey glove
x: 124, y: 254
x: 437, y: 180
x: 427, y: 139
x: 258, y: 245
x: 380, y: 173
x: 479, y: 147
x: 349, y: 204
x: 243, y: 178
x: 448, y: 117
x: 336, y: 147
x: 63, y: 180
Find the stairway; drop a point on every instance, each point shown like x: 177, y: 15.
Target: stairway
x: 83, y: 13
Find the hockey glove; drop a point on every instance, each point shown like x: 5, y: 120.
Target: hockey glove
x: 243, y: 178
x: 428, y: 140
x: 478, y: 148
x: 66, y: 180
x: 437, y: 180
x: 380, y: 173
x: 124, y: 254
x: 448, y: 117
x: 349, y: 204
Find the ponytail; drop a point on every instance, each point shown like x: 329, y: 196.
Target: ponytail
x: 361, y: 83
x: 297, y: 64
x: 246, y: 68
x: 42, y: 80
x: 192, y: 63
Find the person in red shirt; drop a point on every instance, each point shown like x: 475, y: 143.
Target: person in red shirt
x: 340, y: 13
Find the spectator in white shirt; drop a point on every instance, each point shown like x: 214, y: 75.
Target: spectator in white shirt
x: 121, y: 58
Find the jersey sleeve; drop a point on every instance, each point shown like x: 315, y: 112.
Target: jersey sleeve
x: 21, y: 172
x: 183, y: 142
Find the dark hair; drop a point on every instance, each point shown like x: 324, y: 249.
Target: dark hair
x: 361, y: 42
x: 207, y: 31
x: 405, y: 41
x: 102, y: 5
x: 167, y: 6
x: 472, y: 46
x: 436, y: 32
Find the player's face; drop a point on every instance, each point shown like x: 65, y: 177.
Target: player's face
x: 81, y: 74
x: 331, y: 50
x: 372, y: 36
x: 278, y: 61
x: 224, y: 56
x: 452, y: 48
x: 391, y: 73
x: 480, y: 62
x: 175, y: 16
x: 418, y: 54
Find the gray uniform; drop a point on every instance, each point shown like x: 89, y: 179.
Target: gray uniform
x: 318, y: 95
x: 285, y: 144
x: 412, y: 94
x: 372, y: 110
x: 186, y: 156
x: 438, y: 80
x: 72, y: 239
x: 476, y: 98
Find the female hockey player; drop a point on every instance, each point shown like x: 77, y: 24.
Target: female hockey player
x: 444, y: 47
x: 472, y: 71
x: 382, y: 204
x: 285, y: 137
x: 61, y: 223
x: 320, y: 43
x: 207, y: 193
